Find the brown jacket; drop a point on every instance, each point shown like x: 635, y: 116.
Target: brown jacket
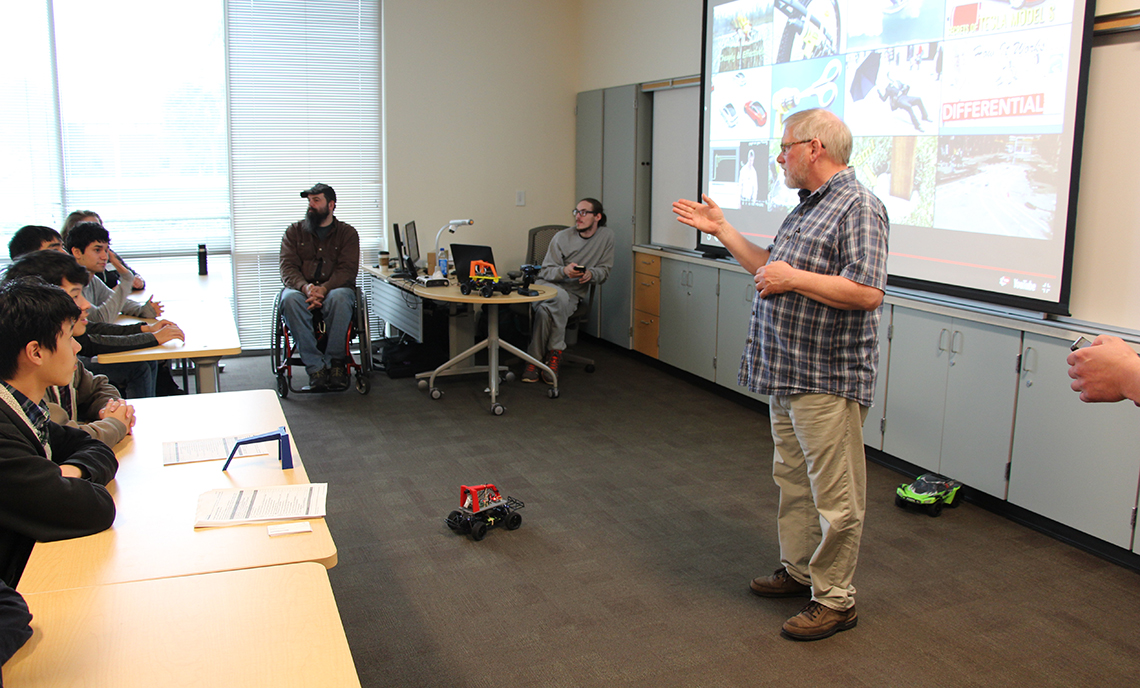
x: 331, y: 263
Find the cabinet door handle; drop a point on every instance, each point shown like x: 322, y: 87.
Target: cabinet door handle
x: 960, y: 339
x: 942, y: 336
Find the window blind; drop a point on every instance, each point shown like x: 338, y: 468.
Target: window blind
x: 304, y: 104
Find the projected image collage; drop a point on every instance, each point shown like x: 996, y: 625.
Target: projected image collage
x: 956, y: 106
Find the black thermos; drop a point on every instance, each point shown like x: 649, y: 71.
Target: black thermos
x: 202, y: 259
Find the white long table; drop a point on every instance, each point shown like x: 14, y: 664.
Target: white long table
x: 153, y: 535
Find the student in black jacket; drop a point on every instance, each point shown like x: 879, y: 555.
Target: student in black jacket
x: 15, y: 624
x: 51, y: 477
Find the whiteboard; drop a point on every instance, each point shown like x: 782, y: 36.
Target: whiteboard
x: 1106, y: 246
x: 676, y: 128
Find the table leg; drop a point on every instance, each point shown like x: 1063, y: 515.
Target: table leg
x: 206, y: 375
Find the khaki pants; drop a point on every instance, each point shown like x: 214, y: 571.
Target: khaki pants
x: 820, y: 467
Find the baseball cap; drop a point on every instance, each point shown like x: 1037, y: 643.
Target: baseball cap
x: 320, y: 188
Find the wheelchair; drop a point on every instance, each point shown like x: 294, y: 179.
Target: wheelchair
x: 285, y: 354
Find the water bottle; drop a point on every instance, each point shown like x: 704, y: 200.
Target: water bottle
x: 202, y: 259
x: 441, y: 261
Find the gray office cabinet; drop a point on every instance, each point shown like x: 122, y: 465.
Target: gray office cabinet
x: 613, y: 148
x: 589, y: 112
x: 876, y: 415
x: 1073, y: 462
x: 734, y: 312
x: 952, y: 395
x: 688, y: 331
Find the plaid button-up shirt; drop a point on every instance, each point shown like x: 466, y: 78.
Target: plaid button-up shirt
x: 36, y: 414
x: 797, y: 345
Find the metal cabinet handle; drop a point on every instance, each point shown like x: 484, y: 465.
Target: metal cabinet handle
x: 942, y: 336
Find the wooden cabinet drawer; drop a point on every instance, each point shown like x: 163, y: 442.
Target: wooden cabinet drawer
x: 646, y: 327
x: 647, y: 264
x: 647, y: 293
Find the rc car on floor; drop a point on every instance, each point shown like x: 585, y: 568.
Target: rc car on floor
x: 929, y: 492
x: 482, y: 507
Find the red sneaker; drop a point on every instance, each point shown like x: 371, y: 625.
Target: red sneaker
x: 552, y: 360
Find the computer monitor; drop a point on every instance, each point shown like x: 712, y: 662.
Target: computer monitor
x: 412, y: 243
x: 401, y: 261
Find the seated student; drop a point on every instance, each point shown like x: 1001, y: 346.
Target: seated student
x: 577, y: 256
x: 34, y: 238
x: 109, y: 277
x: 15, y: 624
x: 90, y: 402
x: 51, y: 477
x: 88, y: 242
x: 136, y: 379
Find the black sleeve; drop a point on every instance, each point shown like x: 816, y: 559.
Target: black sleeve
x: 109, y: 338
x: 15, y: 620
x: 37, y: 502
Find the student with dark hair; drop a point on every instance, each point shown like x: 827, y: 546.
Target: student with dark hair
x: 578, y: 256
x: 15, y: 624
x: 88, y: 243
x: 91, y: 402
x: 34, y: 238
x: 51, y: 477
x: 109, y: 277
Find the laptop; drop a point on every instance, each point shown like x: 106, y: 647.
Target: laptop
x: 463, y: 254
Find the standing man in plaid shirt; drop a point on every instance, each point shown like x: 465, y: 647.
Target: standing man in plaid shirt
x: 813, y: 345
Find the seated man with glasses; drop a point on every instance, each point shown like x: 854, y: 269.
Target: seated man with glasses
x: 578, y: 256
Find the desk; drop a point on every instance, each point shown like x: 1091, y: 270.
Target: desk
x: 210, y: 334
x: 461, y: 361
x: 154, y: 535
x: 276, y: 626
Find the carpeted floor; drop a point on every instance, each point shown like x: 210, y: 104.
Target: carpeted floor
x: 649, y: 506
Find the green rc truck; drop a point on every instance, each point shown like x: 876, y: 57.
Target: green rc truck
x: 929, y: 492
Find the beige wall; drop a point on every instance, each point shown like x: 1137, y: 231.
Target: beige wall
x: 634, y: 41
x: 479, y: 101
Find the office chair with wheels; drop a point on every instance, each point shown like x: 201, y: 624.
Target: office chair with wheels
x: 537, y: 242
x: 284, y: 353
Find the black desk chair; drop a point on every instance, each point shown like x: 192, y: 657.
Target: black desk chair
x: 537, y: 242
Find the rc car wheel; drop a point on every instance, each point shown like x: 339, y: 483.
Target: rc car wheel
x: 454, y: 519
x: 957, y: 499
x: 900, y: 502
x: 514, y: 521
x: 478, y: 530
x: 487, y: 291
x: 934, y: 509
x: 465, y: 288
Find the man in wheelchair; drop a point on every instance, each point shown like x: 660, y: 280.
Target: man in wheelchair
x: 320, y: 256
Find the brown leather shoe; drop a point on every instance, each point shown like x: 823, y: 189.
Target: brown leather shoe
x: 779, y: 584
x: 816, y: 622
